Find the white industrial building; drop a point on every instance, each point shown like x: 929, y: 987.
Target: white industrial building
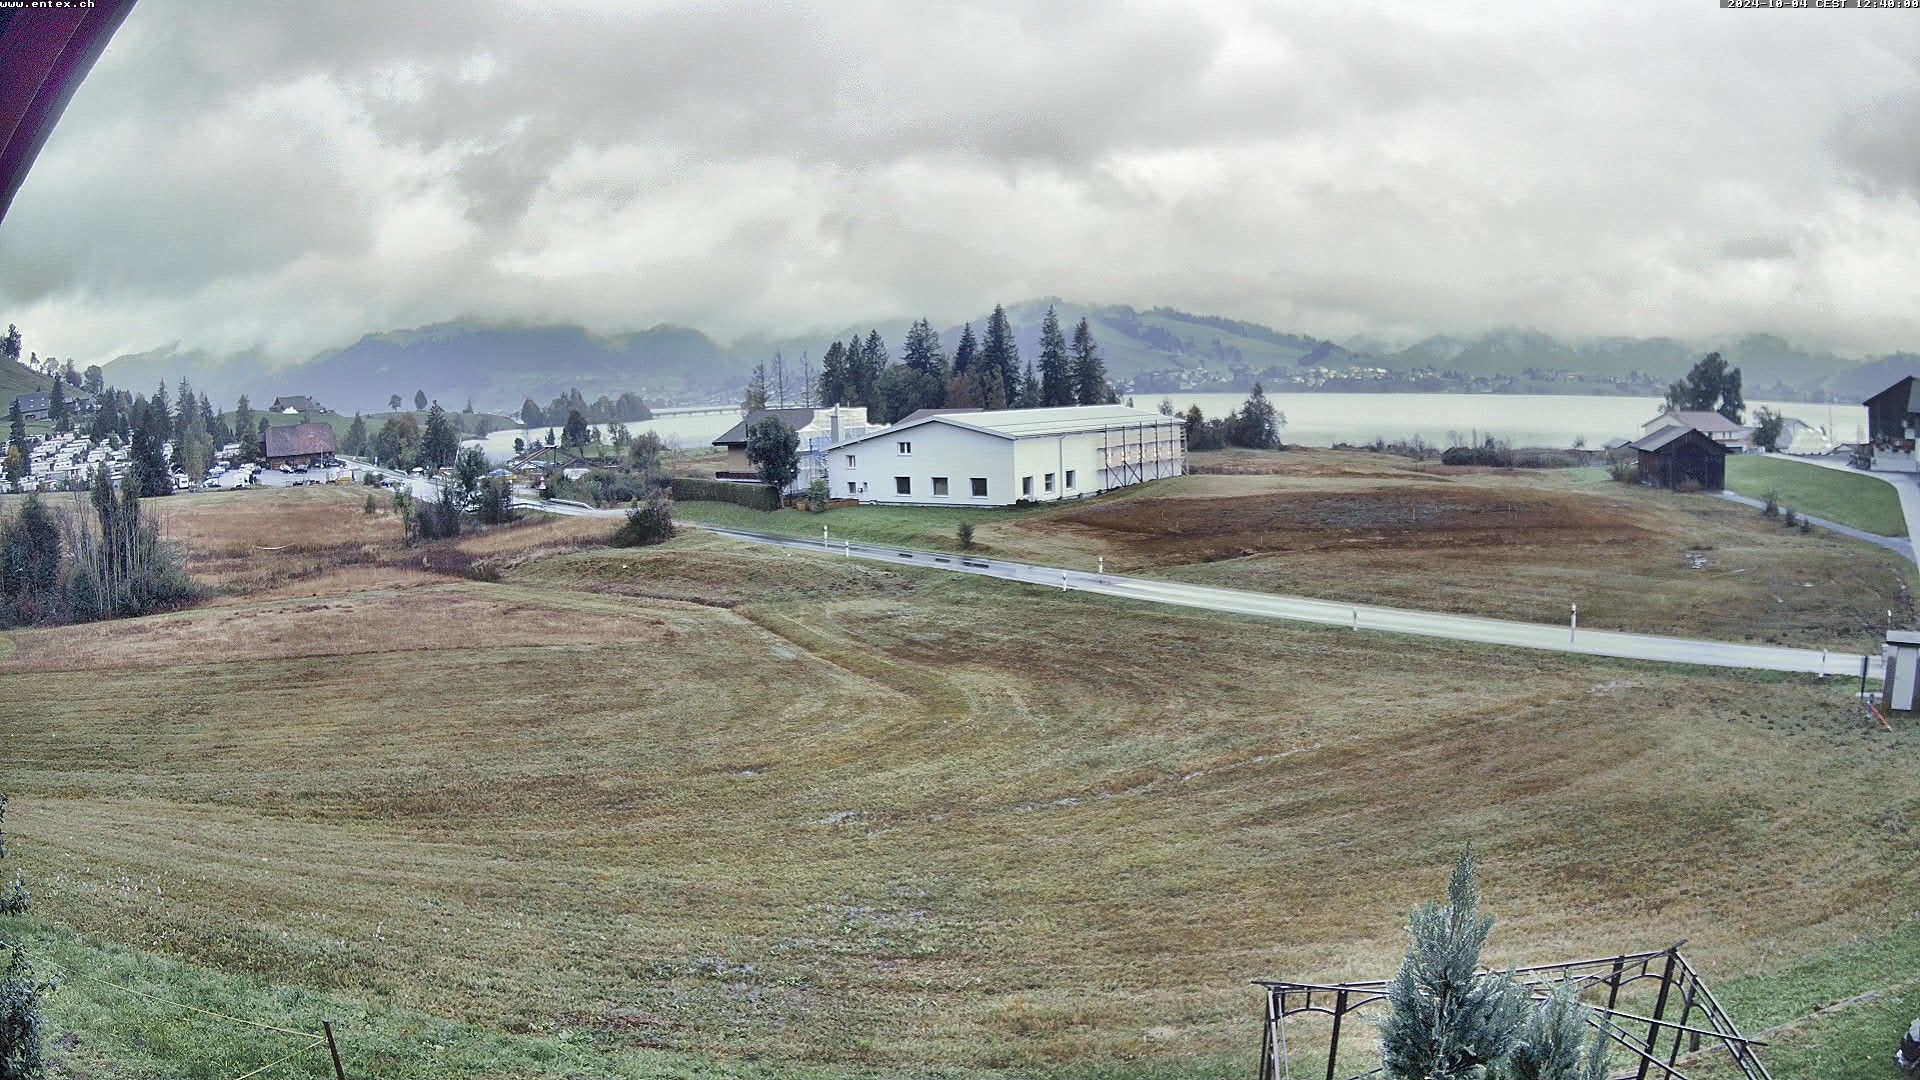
x: 974, y: 458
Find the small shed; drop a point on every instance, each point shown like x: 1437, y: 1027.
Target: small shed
x: 1679, y: 458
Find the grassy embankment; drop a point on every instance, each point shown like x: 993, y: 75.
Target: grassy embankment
x: 710, y: 809
x: 1864, y: 502
x: 1519, y: 544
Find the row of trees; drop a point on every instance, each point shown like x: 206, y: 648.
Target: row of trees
x: 403, y: 443
x: 984, y: 372
x: 626, y: 408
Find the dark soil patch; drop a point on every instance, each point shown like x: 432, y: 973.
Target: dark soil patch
x: 1378, y: 518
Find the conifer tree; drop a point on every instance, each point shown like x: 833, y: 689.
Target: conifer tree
x: 967, y: 352
x: 1446, y: 1019
x: 1056, y: 382
x: 833, y: 376
x: 438, y: 442
x: 999, y: 353
x: 1031, y: 395
x: 756, y: 395
x: 57, y: 406
x: 10, y: 344
x: 419, y: 400
x: 921, y: 351
x: 1556, y: 1044
x: 356, y: 440
x: 1086, y: 371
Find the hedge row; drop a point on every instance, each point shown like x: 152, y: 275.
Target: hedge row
x: 751, y: 496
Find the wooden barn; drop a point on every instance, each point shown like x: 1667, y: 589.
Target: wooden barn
x: 1680, y: 458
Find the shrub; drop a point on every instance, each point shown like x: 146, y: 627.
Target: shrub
x: 1806, y: 526
x: 1625, y: 471
x: 1789, y: 518
x: 965, y: 532
x: 1772, y: 509
x: 21, y: 1026
x: 751, y: 496
x: 436, y: 520
x: 649, y: 523
x: 369, y: 507
x: 818, y: 496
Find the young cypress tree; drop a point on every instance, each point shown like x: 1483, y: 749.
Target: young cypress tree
x: 1056, y: 384
x: 1556, y: 1044
x: 1446, y: 1019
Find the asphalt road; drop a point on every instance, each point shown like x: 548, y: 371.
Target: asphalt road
x: 1359, y: 617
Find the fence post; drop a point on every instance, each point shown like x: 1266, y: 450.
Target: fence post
x: 1333, y: 1045
x: 334, y: 1049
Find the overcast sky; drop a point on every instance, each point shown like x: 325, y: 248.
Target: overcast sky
x: 291, y: 175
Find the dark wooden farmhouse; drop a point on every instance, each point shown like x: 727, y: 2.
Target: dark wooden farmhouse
x: 1893, y: 419
x: 1682, y: 459
x: 298, y: 444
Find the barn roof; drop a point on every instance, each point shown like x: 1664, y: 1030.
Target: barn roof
x: 793, y: 418
x: 1029, y: 423
x: 299, y: 440
x: 1707, y: 421
x: 1668, y: 435
x: 1907, y: 388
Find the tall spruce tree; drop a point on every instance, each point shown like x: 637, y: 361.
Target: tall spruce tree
x: 967, y: 352
x: 16, y: 428
x: 10, y: 344
x: 921, y: 351
x: 439, y: 443
x: 151, y: 434
x: 833, y: 376
x: 1056, y: 380
x: 1446, y: 1019
x: 1086, y: 371
x: 999, y: 353
x: 57, y: 406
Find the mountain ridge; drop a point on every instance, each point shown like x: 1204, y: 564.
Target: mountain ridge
x: 1153, y: 350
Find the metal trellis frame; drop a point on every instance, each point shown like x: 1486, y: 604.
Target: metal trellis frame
x: 1657, y: 1052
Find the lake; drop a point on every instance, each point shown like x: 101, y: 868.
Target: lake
x: 1550, y: 420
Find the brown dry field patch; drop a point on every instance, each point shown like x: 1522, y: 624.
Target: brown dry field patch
x: 423, y: 619
x: 1204, y: 529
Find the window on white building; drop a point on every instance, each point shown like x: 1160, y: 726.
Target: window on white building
x: 903, y: 485
x: 1026, y: 487
x: 940, y: 486
x: 1070, y: 474
x: 849, y: 461
x: 850, y: 488
x: 1049, y: 481
x: 979, y: 487
x: 905, y: 447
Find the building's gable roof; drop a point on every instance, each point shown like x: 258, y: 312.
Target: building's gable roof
x: 1907, y: 387
x: 1670, y: 434
x: 299, y: 440
x: 296, y: 402
x: 1706, y: 421
x: 31, y: 402
x: 793, y: 418
x: 1027, y: 423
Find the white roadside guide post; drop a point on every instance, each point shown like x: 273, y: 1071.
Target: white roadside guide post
x: 823, y: 536
x: 1573, y: 621
x: 1103, y: 566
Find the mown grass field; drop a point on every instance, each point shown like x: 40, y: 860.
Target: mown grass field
x: 1517, y: 544
x: 1864, y: 502
x: 718, y: 810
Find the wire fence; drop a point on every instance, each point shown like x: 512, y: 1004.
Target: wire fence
x: 311, y: 1041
